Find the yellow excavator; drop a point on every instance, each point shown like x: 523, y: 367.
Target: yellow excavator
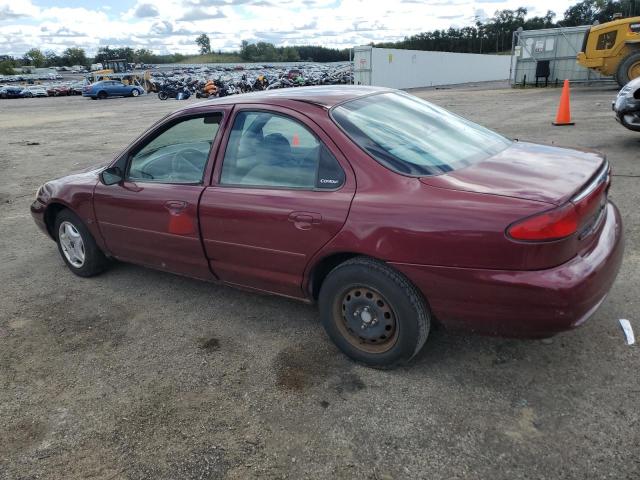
x: 613, y: 48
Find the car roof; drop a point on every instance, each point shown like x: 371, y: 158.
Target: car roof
x: 325, y: 96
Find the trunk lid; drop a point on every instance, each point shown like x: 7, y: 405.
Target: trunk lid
x: 529, y: 171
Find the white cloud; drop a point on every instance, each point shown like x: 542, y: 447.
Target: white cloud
x: 173, y: 25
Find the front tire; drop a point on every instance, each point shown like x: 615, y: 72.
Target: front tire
x: 628, y: 69
x: 373, y: 313
x: 135, y: 93
x: 77, y: 246
x: 163, y: 96
x: 102, y: 95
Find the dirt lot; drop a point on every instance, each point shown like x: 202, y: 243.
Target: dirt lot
x: 137, y: 374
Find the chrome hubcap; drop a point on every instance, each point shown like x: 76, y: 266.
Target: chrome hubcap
x: 71, y: 244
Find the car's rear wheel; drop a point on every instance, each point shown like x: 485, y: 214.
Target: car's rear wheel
x: 77, y: 246
x: 162, y: 96
x: 135, y: 92
x: 628, y: 69
x: 373, y: 313
x: 102, y: 95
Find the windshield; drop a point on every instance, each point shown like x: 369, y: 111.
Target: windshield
x: 414, y: 137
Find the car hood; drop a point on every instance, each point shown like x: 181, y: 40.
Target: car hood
x: 83, y: 175
x: 529, y: 171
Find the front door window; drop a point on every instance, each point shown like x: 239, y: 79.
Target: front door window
x: 177, y: 155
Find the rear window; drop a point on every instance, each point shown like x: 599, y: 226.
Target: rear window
x: 414, y: 137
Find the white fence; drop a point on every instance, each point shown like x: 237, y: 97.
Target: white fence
x: 394, y: 68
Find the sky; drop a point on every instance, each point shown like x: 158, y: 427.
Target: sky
x: 171, y: 26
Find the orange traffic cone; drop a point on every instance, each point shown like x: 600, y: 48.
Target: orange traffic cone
x: 564, y: 109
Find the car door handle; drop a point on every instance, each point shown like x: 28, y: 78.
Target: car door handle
x: 175, y: 206
x: 305, y: 220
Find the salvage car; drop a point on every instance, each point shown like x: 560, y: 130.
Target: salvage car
x: 111, y: 88
x: 391, y: 213
x: 627, y: 105
x: 59, y: 91
x: 34, y: 91
x: 10, y: 91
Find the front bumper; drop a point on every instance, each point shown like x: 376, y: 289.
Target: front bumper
x: 627, y: 112
x: 524, y: 304
x: 37, y: 212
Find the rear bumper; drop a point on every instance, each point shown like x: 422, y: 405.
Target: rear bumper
x: 524, y: 304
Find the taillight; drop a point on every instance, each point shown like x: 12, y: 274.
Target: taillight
x: 553, y: 224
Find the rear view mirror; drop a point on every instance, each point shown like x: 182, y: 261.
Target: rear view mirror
x: 111, y: 175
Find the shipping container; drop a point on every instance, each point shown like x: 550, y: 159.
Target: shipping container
x: 396, y: 68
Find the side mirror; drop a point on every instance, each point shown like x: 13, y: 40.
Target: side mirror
x: 111, y: 175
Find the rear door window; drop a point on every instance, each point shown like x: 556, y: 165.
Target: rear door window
x: 271, y: 150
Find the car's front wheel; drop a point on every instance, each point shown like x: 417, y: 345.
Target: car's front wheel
x: 77, y: 246
x: 102, y: 95
x: 135, y: 92
x: 373, y: 313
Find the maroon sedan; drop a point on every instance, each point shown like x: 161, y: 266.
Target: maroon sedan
x: 388, y: 211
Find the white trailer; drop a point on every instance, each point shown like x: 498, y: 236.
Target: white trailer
x: 396, y: 68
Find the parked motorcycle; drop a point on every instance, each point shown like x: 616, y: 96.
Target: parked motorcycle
x: 177, y: 90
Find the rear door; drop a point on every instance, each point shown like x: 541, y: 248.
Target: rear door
x: 281, y: 190
x: 151, y: 218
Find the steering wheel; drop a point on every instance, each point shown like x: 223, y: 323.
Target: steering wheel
x: 182, y: 166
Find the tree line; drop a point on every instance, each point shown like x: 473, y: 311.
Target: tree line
x: 490, y: 36
x: 495, y: 34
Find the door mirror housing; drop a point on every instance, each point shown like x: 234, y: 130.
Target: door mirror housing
x: 111, y: 175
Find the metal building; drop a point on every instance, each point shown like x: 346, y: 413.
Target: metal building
x: 532, y: 49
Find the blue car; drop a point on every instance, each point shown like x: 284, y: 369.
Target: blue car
x: 111, y: 88
x: 11, y: 92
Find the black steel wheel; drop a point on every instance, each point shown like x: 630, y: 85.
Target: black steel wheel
x: 373, y: 313
x: 368, y: 322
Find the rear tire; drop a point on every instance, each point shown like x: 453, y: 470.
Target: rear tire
x: 77, y: 246
x: 373, y: 313
x: 628, y: 69
x: 163, y: 96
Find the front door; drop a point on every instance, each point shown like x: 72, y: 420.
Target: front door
x: 151, y: 218
x: 279, y: 195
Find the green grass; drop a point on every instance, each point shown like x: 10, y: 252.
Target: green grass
x: 213, y: 58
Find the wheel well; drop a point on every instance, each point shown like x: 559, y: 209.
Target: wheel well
x: 322, y: 269
x: 50, y: 215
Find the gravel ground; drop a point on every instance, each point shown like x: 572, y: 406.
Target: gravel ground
x: 138, y: 374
